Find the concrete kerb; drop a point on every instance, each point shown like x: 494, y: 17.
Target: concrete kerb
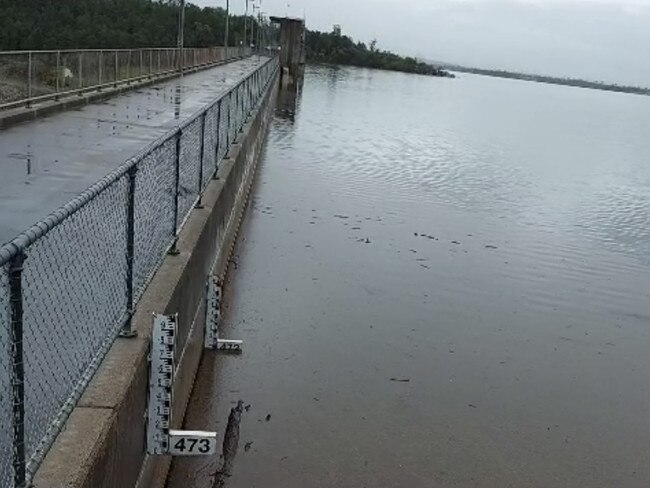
x: 18, y: 115
x: 103, y: 442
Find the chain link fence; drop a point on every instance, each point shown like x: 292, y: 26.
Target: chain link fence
x: 69, y: 285
x: 31, y: 76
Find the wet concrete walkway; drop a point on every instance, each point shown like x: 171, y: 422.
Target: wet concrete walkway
x: 47, y: 162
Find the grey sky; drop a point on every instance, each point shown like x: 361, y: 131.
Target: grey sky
x: 595, y: 39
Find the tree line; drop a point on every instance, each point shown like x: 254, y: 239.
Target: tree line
x: 111, y: 24
x: 334, y: 47
x: 127, y: 24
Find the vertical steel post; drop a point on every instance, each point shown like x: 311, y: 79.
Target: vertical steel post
x: 158, y: 61
x: 128, y: 66
x: 249, y: 88
x: 29, y: 77
x: 58, y: 70
x: 150, y: 63
x: 218, y: 141
x: 199, y: 203
x: 117, y: 76
x: 177, y: 176
x: 101, y: 62
x: 141, y: 66
x: 229, y: 120
x: 127, y: 331
x: 18, y: 368
x: 240, y: 110
x: 80, y: 70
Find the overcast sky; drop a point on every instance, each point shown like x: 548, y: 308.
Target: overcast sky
x: 595, y: 39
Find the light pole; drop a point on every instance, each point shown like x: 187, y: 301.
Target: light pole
x: 181, y: 35
x: 253, y: 39
x: 252, y: 21
x: 259, y: 31
x: 225, y: 42
x: 246, y: 23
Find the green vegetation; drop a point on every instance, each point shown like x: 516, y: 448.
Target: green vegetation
x: 86, y: 24
x: 333, y: 47
x: 107, y: 24
x: 594, y: 85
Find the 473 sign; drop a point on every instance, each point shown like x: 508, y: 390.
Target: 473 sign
x: 192, y: 443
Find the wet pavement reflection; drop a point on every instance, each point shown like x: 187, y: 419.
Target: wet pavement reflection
x: 47, y: 162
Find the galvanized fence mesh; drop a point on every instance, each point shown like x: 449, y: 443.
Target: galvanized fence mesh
x: 70, y: 283
x: 69, y: 307
x: 29, y: 76
x: 154, y: 206
x: 189, y: 184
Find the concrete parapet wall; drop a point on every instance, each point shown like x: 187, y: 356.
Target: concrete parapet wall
x: 103, y: 442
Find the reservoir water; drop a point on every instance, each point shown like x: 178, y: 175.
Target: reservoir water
x: 440, y: 282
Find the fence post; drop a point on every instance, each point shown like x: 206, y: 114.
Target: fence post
x: 127, y: 331
x: 58, y: 70
x: 229, y: 119
x: 218, y: 142
x: 240, y: 110
x: 80, y: 70
x: 174, y: 250
x: 150, y: 63
x: 117, y: 76
x: 158, y: 72
x: 18, y: 368
x: 199, y: 203
x: 29, y: 77
x: 128, y: 67
x: 101, y: 62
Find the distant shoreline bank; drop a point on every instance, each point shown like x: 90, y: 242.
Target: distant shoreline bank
x: 551, y: 80
x: 332, y: 64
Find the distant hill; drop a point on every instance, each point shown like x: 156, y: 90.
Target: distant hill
x: 554, y: 80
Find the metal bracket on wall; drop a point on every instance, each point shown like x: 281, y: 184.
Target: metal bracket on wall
x: 161, y: 440
x: 213, y: 320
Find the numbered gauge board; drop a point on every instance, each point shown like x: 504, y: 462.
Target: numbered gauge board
x: 161, y: 440
x: 192, y: 443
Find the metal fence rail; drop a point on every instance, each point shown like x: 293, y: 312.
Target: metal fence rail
x: 69, y: 285
x: 30, y: 76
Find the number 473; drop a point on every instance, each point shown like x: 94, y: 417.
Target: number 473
x: 192, y: 445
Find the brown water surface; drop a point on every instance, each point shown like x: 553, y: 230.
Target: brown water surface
x: 440, y: 283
